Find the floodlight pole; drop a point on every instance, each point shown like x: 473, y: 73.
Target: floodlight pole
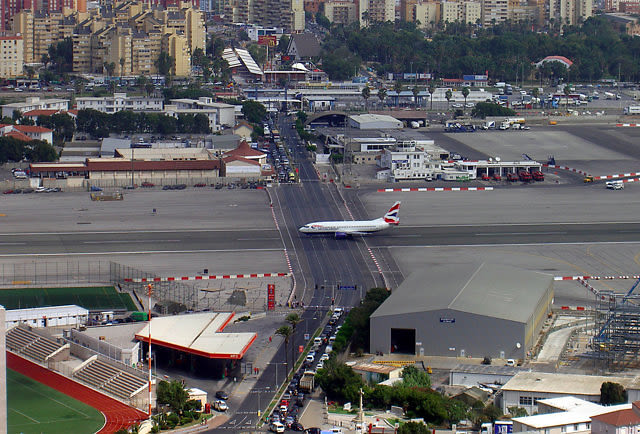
x: 149, y: 292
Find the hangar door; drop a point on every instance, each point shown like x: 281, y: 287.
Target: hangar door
x: 403, y: 341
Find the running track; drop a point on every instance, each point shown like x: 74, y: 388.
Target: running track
x: 117, y: 415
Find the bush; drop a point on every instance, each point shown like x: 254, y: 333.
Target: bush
x: 172, y: 420
x: 185, y: 420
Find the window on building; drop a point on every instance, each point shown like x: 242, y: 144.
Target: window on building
x: 525, y: 400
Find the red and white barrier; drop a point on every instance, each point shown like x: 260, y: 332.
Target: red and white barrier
x: 619, y: 175
x: 388, y: 190
x: 627, y: 125
x: 596, y: 277
x: 570, y: 169
x: 211, y: 277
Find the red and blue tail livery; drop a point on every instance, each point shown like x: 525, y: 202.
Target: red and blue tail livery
x: 391, y: 216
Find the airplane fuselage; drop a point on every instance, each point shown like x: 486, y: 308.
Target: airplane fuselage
x: 346, y: 227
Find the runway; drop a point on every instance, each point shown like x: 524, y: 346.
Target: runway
x: 192, y: 241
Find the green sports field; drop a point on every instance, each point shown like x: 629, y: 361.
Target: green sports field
x: 35, y: 408
x: 92, y: 298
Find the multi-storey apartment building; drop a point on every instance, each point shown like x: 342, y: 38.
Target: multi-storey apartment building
x: 371, y: 11
x: 571, y: 12
x: 340, y: 12
x: 11, y: 56
x: 494, y: 12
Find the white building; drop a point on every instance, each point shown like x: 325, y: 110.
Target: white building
x: 27, y: 132
x: 409, y: 163
x: 118, y: 102
x: 35, y: 103
x: 571, y: 415
x: 70, y: 315
x: 374, y: 121
x: 211, y: 114
x: 525, y: 389
x: 225, y: 113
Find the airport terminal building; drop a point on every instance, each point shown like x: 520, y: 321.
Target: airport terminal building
x: 464, y: 310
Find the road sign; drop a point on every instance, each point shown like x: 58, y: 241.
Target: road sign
x: 347, y: 287
x: 306, y: 336
x: 300, y: 348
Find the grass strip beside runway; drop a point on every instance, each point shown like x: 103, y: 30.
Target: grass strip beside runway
x: 92, y: 298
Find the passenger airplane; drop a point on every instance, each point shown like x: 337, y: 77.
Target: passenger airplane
x: 342, y: 229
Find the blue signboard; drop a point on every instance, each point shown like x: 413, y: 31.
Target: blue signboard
x: 352, y: 288
x: 448, y: 320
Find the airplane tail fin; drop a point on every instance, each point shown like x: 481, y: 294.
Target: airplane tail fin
x: 391, y: 216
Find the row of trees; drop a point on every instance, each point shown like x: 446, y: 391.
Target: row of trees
x: 14, y: 150
x: 506, y: 52
x: 413, y: 394
x: 98, y: 124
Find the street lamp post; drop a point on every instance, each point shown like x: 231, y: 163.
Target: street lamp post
x: 149, y: 292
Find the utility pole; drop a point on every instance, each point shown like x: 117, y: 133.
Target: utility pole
x: 149, y: 292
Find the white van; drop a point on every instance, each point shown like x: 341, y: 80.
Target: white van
x: 615, y: 185
x: 317, y: 341
x: 276, y: 427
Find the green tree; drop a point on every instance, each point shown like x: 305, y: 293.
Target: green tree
x: 286, y: 332
x: 110, y: 68
x: 322, y: 20
x: 413, y: 428
x: 432, y: 90
x: 612, y: 393
x: 415, y: 91
x: 484, y: 109
x: 173, y: 394
x: 448, y: 94
x: 412, y: 377
x: 11, y: 149
x: 535, y: 93
x: 366, y: 93
x: 60, y: 56
x: 283, y: 44
x: 165, y: 64
x: 382, y: 94
x: 258, y: 52
x: 465, y: 94
x: 339, y: 382
x: 567, y: 91
x: 62, y: 124
x: 253, y: 111
x: 122, y: 62
x: 398, y: 87
x: 37, y: 151
x: 517, y: 412
x: 293, y: 319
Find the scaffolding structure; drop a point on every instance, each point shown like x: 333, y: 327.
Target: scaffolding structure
x: 616, y: 343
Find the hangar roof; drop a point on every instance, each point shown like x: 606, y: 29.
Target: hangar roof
x: 569, y: 384
x: 485, y: 289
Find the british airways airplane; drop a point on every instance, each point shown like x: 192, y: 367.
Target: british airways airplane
x: 342, y: 229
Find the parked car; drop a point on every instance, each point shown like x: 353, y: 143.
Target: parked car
x: 221, y: 394
x: 148, y: 184
x: 95, y: 188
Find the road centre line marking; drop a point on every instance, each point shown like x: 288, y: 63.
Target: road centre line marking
x: 581, y: 243
x: 146, y: 252
x: 131, y: 241
x: 488, y: 234
x: 135, y: 231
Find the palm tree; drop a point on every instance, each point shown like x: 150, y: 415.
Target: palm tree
x: 465, y: 94
x: 285, y: 331
x: 432, y: 89
x: 382, y: 94
x: 535, y: 93
x: 122, y: 62
x: 366, y: 93
x: 448, y: 94
x: 398, y: 88
x: 415, y: 91
x: 293, y: 319
x: 567, y: 92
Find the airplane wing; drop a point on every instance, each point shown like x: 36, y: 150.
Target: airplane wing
x: 351, y: 232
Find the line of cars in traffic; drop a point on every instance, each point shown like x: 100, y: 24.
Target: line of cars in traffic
x: 285, y: 415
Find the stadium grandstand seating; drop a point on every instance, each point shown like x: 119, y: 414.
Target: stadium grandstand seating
x: 23, y: 341
x: 110, y: 379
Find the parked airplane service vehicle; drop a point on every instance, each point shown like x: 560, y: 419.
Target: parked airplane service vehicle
x: 343, y: 229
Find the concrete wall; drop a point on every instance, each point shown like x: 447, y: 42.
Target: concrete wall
x: 475, y: 335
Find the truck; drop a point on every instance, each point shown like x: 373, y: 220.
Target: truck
x: 306, y: 381
x: 632, y: 110
x: 609, y: 95
x: 498, y: 427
